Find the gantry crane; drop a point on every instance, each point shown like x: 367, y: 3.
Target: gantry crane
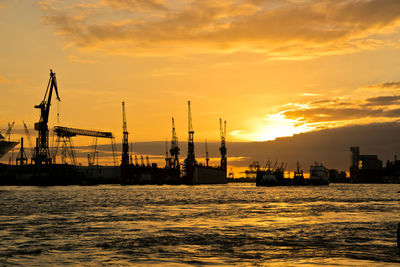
x: 42, y: 152
x: 66, y: 133
x: 174, y: 151
x: 125, y: 144
x: 222, y: 149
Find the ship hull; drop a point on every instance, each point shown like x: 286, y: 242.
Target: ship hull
x: 206, y: 175
x: 63, y: 174
x: 142, y: 175
x: 6, y: 146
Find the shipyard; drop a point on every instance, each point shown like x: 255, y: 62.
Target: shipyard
x: 128, y: 169
x: 200, y: 133
x: 44, y: 170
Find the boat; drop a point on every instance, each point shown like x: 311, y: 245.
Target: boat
x: 6, y: 146
x: 298, y: 178
x: 319, y: 174
x: 207, y: 175
x: 266, y: 178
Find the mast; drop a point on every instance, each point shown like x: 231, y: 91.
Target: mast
x: 222, y: 149
x: 190, y: 155
x: 174, y: 151
x: 168, y: 162
x: 125, y: 144
x: 207, y: 158
x: 190, y: 160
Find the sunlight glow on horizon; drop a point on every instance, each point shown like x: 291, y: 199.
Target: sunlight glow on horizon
x: 274, y: 126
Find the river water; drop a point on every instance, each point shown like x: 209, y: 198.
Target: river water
x: 234, y: 224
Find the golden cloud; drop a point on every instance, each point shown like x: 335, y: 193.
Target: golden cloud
x: 3, y: 80
x: 280, y: 29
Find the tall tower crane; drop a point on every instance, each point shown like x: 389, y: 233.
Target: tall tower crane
x: 42, y: 152
x: 207, y: 157
x: 222, y: 149
x: 125, y: 144
x: 21, y: 159
x: 28, y: 135
x: 190, y: 160
x: 174, y: 151
x: 168, y: 162
x: 9, y: 129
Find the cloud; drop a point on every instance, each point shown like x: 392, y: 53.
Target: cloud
x: 280, y: 29
x: 3, y: 80
x: 310, y: 94
x: 76, y: 59
x: 383, y: 100
x: 382, y: 87
x: 341, y: 111
x: 326, y: 113
x: 135, y: 5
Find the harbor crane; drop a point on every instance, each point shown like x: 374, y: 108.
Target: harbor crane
x: 125, y: 144
x: 174, y: 150
x: 190, y: 160
x: 22, y: 159
x: 28, y: 135
x: 207, y: 157
x: 9, y: 129
x: 64, y: 135
x: 222, y: 149
x: 42, y: 151
x: 168, y: 161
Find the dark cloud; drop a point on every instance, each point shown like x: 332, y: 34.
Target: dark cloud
x: 329, y: 146
x: 326, y: 114
x: 383, y: 100
x: 393, y: 85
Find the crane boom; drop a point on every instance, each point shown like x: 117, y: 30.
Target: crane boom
x: 70, y: 132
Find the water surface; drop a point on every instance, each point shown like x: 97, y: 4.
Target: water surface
x: 336, y: 225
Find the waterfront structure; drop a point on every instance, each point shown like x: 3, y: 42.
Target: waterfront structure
x: 365, y: 168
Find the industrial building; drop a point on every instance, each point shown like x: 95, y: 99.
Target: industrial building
x: 365, y: 168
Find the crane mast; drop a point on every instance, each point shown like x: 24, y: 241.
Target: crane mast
x: 190, y: 155
x: 125, y: 144
x: 42, y: 152
x: 222, y: 149
x: 168, y: 162
x: 190, y: 160
x: 207, y: 157
x: 174, y: 151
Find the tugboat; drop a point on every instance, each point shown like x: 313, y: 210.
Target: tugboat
x: 266, y: 177
x: 298, y: 178
x: 319, y: 174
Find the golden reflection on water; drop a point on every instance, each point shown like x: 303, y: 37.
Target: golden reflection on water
x: 336, y: 225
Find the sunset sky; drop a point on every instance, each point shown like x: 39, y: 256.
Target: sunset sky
x: 269, y: 68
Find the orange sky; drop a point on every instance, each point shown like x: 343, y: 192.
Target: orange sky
x: 270, y: 68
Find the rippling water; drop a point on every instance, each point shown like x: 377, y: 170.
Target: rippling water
x: 340, y: 224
